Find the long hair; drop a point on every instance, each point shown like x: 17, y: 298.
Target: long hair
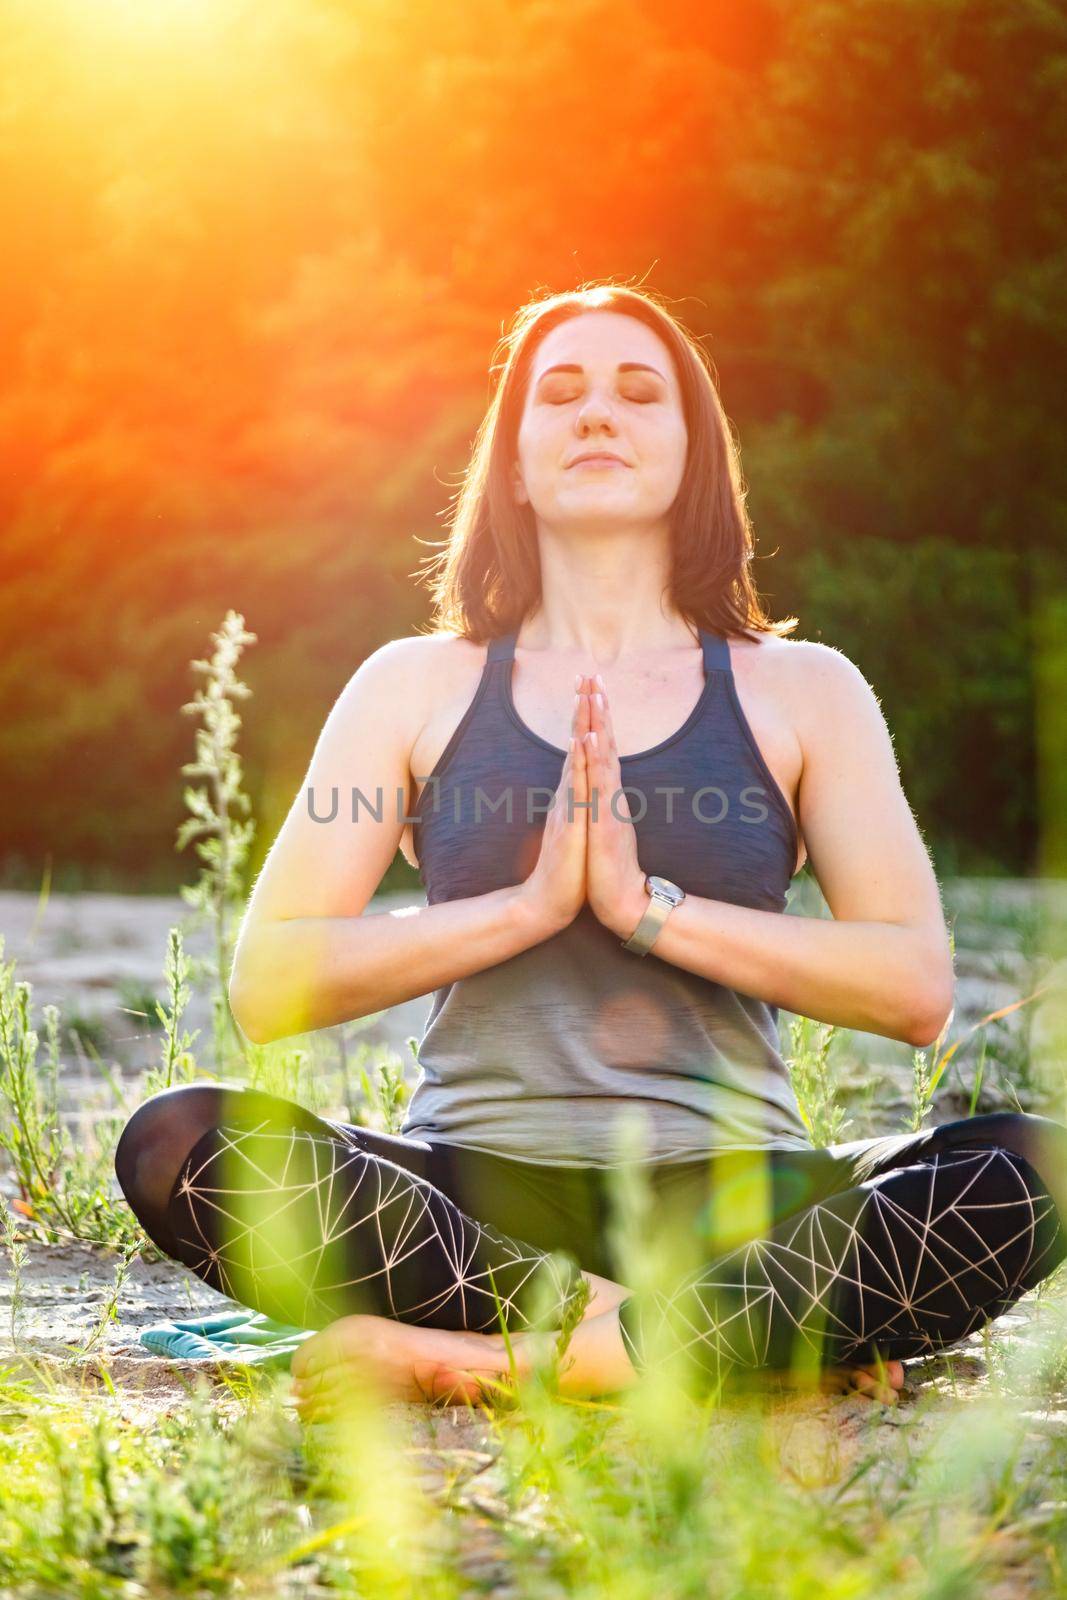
x: 487, y: 577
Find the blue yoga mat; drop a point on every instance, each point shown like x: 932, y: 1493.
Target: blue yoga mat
x: 242, y: 1337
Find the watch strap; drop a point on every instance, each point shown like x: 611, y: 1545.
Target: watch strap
x: 644, y: 935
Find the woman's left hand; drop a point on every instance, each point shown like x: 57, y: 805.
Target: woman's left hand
x: 615, y: 881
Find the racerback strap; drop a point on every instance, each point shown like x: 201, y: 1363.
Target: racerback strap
x: 716, y: 652
x: 502, y: 649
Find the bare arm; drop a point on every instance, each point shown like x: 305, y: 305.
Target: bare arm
x: 884, y: 964
x: 306, y: 956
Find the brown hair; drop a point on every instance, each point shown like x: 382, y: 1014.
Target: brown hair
x: 487, y: 577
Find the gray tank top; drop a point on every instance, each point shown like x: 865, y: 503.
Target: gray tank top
x: 538, y: 1056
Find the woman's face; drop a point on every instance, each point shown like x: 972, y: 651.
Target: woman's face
x: 620, y: 395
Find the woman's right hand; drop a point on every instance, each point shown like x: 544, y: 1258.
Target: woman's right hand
x: 555, y: 891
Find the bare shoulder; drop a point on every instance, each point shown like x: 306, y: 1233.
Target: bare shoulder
x: 418, y: 653
x: 825, y: 690
x: 410, y: 675
x: 815, y: 687
x: 820, y: 668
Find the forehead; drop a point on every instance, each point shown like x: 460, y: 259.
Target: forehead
x: 601, y: 340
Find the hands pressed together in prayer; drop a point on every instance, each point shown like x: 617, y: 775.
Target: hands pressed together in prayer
x: 589, y: 845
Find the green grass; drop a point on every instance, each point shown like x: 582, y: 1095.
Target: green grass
x: 650, y: 1496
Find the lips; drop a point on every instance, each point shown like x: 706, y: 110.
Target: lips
x: 597, y: 455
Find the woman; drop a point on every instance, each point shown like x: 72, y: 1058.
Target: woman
x: 600, y: 541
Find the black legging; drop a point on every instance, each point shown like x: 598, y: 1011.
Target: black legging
x: 889, y: 1247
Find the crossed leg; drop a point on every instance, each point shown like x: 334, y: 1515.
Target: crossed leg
x: 939, y: 1233
x: 308, y: 1220
x: 319, y: 1224
x: 942, y: 1238
x: 314, y: 1223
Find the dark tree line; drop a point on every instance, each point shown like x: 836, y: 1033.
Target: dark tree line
x: 258, y: 259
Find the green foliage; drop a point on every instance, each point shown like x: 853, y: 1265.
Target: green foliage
x: 812, y: 1078
x: 86, y: 1032
x: 387, y: 1091
x: 216, y: 1497
x: 178, y: 1064
x: 864, y: 207
x: 173, y: 1509
x: 63, y: 1187
x: 942, y: 635
x: 222, y: 841
x: 137, y: 1001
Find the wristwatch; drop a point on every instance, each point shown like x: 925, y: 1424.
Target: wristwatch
x: 663, y: 896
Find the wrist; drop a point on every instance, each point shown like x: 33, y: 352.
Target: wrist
x: 631, y: 909
x: 662, y: 897
x: 531, y: 921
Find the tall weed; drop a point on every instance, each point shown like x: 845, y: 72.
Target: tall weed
x: 222, y: 840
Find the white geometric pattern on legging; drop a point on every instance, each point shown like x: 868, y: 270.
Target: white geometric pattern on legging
x: 299, y: 1225
x: 309, y: 1228
x: 903, y: 1265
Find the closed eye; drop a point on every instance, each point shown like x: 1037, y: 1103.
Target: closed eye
x: 641, y: 400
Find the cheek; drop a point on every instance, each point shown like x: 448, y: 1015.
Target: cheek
x: 664, y: 463
x: 673, y: 453
x: 537, y: 450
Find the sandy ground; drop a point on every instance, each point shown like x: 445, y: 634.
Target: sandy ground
x: 85, y: 952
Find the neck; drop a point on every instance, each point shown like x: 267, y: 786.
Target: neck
x: 606, y: 600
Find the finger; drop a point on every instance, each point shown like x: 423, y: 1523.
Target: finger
x: 581, y: 772
x: 611, y: 766
x: 603, y: 778
x: 315, y: 1410
x: 598, y: 701
x: 584, y: 722
x: 888, y: 1375
x: 596, y: 719
x: 593, y: 770
x: 574, y: 766
x: 568, y: 781
x: 604, y: 711
x: 609, y: 749
x: 576, y: 781
x: 458, y: 1384
x: 314, y: 1400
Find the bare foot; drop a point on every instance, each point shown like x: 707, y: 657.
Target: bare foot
x: 421, y: 1363
x: 407, y: 1362
x: 433, y: 1364
x: 878, y: 1384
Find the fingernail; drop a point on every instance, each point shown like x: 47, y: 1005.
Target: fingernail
x: 592, y: 739
x: 599, y: 698
x: 599, y: 681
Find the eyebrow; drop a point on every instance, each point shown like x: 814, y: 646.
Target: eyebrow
x: 624, y: 366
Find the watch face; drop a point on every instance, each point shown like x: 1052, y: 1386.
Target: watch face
x: 664, y: 887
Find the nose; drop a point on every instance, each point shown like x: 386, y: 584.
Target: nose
x: 596, y: 412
